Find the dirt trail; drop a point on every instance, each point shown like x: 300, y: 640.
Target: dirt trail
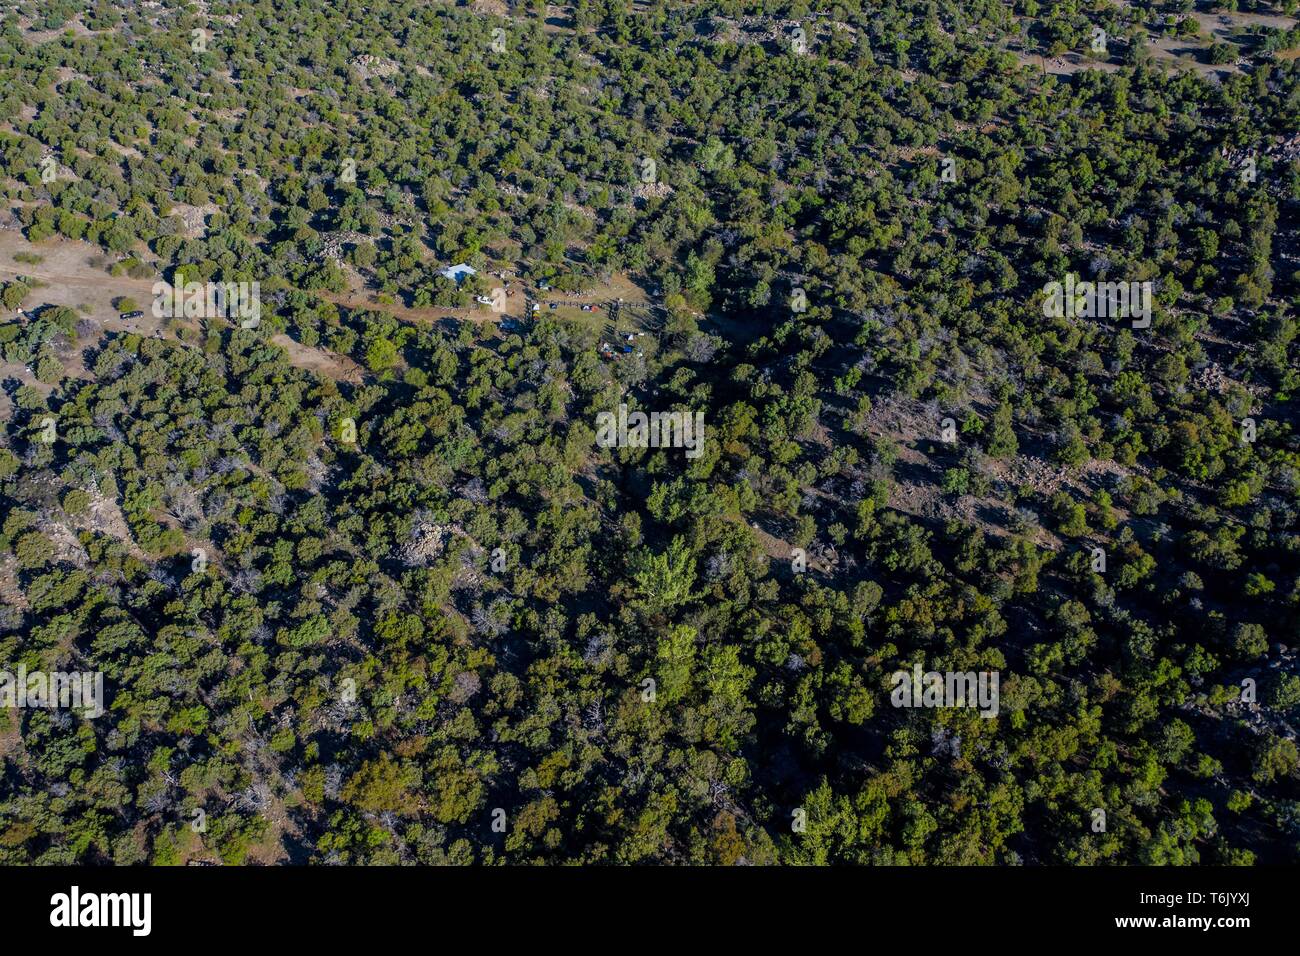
x: 73, y: 274
x: 369, y: 302
x: 603, y: 293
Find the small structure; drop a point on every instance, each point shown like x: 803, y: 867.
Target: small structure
x: 458, y: 272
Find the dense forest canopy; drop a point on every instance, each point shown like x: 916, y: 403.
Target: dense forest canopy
x: 364, y: 586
